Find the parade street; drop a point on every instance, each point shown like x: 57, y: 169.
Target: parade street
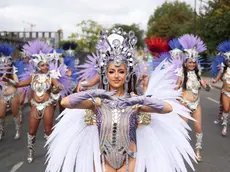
x: 216, y: 149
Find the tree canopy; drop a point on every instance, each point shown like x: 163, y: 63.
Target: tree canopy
x: 88, y: 36
x: 171, y: 19
x: 214, y: 24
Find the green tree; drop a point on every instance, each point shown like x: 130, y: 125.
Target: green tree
x: 214, y: 23
x: 88, y: 36
x: 171, y: 19
x: 139, y: 33
x: 73, y: 36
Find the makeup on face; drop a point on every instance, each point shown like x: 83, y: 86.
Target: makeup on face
x: 116, y: 75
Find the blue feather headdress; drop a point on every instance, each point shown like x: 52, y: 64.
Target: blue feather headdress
x: 218, y: 62
x: 176, y: 48
x: 5, y: 58
x: 224, y: 48
x: 175, y: 44
x: 5, y: 53
x: 6, y: 49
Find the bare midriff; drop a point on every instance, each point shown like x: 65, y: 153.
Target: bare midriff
x: 9, y: 91
x: 226, y: 86
x: 189, y: 95
x: 40, y: 99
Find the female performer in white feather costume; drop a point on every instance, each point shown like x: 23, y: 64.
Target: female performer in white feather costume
x: 191, y: 82
x: 113, y: 129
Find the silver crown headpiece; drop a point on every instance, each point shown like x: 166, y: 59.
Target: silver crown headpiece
x: 117, y: 47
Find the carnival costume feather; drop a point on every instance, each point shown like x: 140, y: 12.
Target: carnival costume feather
x: 157, y: 45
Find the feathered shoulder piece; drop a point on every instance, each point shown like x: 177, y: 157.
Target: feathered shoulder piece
x: 157, y: 45
x: 224, y: 48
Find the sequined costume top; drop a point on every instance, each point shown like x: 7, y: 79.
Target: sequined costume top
x: 40, y: 83
x: 117, y: 129
x: 193, y: 84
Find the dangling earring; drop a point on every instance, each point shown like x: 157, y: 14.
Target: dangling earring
x: 132, y: 82
x: 106, y: 82
x: 127, y: 79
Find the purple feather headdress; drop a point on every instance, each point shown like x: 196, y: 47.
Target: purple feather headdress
x: 40, y: 51
x: 224, y: 48
x: 37, y: 46
x: 192, y: 45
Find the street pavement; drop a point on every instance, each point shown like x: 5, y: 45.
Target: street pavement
x: 216, y: 149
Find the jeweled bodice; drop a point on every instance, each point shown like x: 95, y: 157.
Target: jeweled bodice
x: 193, y: 84
x: 117, y: 128
x: 40, y: 83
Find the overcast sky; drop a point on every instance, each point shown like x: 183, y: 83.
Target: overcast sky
x: 50, y: 15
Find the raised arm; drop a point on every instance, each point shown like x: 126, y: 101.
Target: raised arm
x: 15, y: 78
x: 219, y: 76
x: 81, y: 100
x: 167, y: 108
x: 178, y: 83
x: 56, y: 84
x: 144, y: 82
x: 24, y: 83
x: 147, y: 104
x: 67, y: 102
x: 205, y: 85
x: 90, y: 83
